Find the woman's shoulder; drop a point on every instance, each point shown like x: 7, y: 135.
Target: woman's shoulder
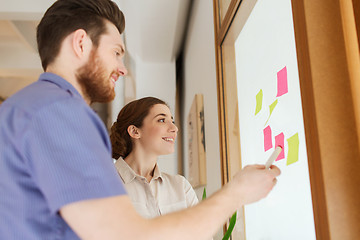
x: 174, y: 178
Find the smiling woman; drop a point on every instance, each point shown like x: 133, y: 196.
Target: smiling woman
x: 143, y: 131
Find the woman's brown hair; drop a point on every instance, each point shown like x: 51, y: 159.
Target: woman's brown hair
x: 131, y: 114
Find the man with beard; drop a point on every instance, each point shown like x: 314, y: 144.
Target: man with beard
x: 57, y: 179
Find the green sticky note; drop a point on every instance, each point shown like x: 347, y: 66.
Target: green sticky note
x: 272, y: 107
x: 259, y: 98
x: 293, y: 152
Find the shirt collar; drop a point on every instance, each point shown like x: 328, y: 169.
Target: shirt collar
x: 128, y: 174
x: 61, y: 82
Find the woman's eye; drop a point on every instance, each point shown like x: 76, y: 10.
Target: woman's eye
x: 162, y: 120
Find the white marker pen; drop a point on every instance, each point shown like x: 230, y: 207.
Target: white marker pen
x: 273, y: 156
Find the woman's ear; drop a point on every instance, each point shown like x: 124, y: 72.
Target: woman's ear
x: 133, y: 131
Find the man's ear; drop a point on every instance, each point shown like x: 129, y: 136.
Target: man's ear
x: 133, y: 132
x: 80, y: 42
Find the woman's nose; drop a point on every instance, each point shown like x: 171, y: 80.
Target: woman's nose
x: 174, y: 128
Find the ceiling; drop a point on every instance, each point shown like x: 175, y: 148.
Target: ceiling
x: 154, y: 33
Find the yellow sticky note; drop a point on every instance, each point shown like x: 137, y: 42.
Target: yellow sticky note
x: 259, y: 98
x: 272, y: 107
x: 293, y: 152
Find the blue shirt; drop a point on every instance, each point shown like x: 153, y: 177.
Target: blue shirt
x: 54, y: 150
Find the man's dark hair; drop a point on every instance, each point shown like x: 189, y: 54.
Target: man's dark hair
x: 66, y: 16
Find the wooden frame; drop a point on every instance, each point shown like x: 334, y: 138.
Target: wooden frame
x: 196, y: 135
x: 329, y: 70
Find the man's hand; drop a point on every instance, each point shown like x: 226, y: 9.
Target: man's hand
x: 253, y: 183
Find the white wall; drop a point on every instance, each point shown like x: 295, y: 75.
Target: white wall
x: 156, y: 79
x: 200, y: 77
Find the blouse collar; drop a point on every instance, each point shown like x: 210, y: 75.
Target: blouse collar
x: 128, y: 174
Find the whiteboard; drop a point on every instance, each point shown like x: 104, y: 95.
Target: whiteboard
x: 270, y: 114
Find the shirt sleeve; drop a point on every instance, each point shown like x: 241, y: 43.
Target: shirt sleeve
x: 69, y: 154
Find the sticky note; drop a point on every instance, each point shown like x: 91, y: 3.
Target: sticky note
x: 259, y: 99
x: 293, y: 152
x: 267, y: 138
x: 272, y: 107
x: 279, y: 141
x: 282, y: 83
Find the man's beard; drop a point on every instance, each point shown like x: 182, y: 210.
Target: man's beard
x: 94, y: 82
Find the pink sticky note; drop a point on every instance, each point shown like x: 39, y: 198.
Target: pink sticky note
x: 267, y: 138
x: 279, y: 141
x: 282, y: 84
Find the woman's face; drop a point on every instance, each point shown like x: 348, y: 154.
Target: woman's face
x: 158, y: 132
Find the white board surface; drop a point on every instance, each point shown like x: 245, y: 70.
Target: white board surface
x: 266, y: 64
